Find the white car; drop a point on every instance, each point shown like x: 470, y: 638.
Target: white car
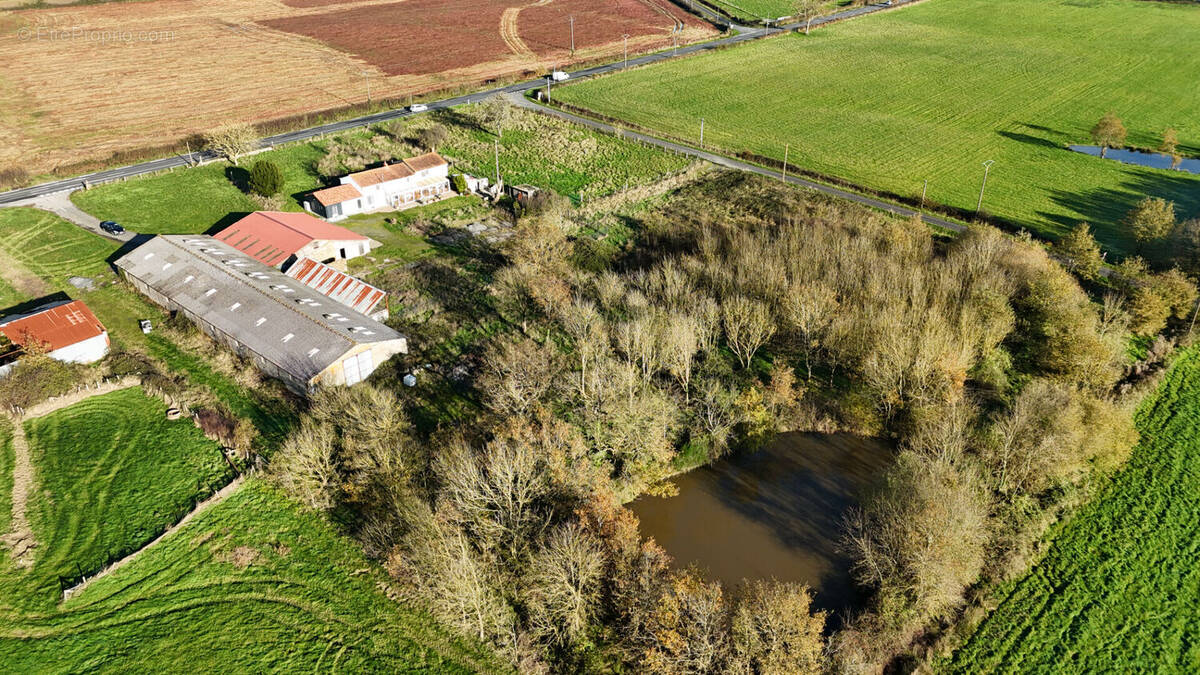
x: 559, y: 76
x: 418, y: 107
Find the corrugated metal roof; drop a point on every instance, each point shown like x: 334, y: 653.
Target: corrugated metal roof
x: 276, y: 317
x: 271, y: 237
x: 54, y: 326
x: 336, y: 194
x: 354, y: 293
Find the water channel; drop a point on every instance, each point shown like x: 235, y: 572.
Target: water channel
x: 775, y: 513
x: 1156, y: 160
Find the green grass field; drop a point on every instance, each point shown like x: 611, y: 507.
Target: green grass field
x: 251, y: 585
x: 193, y: 200
x: 550, y: 153
x: 112, y: 473
x: 1118, y: 590
x: 930, y: 92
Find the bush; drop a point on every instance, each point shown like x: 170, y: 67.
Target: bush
x: 460, y: 183
x: 266, y: 179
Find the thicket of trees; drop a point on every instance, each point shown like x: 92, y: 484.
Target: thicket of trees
x: 743, y: 308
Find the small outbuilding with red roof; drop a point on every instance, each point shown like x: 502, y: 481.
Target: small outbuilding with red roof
x: 65, y: 330
x: 276, y: 238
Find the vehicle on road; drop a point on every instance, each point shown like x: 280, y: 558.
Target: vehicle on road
x: 111, y: 227
x: 418, y: 107
x: 559, y: 76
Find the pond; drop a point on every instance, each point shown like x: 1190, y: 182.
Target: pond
x: 1156, y: 160
x: 776, y: 513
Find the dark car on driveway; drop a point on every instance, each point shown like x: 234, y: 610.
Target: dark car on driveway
x: 111, y: 227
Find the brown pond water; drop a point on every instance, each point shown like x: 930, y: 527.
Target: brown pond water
x: 775, y: 513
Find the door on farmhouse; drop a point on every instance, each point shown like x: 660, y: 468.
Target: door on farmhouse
x: 358, y: 368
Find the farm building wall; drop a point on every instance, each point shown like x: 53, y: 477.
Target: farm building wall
x: 88, y: 351
x: 336, y: 373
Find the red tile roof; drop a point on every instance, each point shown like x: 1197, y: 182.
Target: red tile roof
x: 404, y: 169
x: 383, y: 174
x: 355, y: 294
x: 271, y: 237
x: 55, y: 327
x: 337, y: 194
x: 425, y: 161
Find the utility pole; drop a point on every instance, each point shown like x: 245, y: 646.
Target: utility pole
x: 367, y: 79
x: 923, y: 191
x: 572, y: 36
x: 786, y: 147
x: 987, y: 166
x: 497, y: 162
x: 701, y: 133
x: 548, y: 78
x: 625, y: 37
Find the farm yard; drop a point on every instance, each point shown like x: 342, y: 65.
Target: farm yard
x: 253, y: 583
x: 177, y: 68
x: 1117, y: 589
x: 857, y: 101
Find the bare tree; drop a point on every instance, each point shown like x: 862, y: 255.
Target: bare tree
x: 518, y: 374
x: 563, y: 585
x: 807, y: 312
x: 497, y: 113
x: 748, y: 326
x: 232, y: 141
x: 806, y: 11
x: 920, y: 538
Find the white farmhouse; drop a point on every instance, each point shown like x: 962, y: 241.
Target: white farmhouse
x: 391, y: 186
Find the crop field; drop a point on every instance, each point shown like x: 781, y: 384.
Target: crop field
x: 174, y: 68
x: 930, y: 92
x: 252, y: 584
x: 112, y: 472
x: 1117, y: 590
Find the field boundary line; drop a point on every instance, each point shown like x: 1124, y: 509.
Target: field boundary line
x: 216, y: 498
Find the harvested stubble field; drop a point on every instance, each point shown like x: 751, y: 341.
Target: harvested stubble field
x: 933, y: 90
x: 79, y: 84
x: 1117, y: 590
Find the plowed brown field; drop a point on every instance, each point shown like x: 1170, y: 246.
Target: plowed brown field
x: 81, y: 83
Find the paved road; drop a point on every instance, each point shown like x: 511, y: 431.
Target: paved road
x: 730, y: 163
x: 740, y: 34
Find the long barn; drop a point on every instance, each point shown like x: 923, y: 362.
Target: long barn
x: 289, y: 330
